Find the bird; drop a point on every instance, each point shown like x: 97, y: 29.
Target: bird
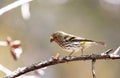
x: 71, y: 43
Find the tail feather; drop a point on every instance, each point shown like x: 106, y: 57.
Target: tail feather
x: 101, y: 43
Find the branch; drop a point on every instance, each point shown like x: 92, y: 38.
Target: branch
x: 93, y: 68
x: 53, y: 61
x: 13, y: 5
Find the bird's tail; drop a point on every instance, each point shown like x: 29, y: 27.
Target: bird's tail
x: 101, y: 43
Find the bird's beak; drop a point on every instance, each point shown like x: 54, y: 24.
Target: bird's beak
x: 51, y: 39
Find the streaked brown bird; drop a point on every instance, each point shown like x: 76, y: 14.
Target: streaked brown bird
x: 72, y: 43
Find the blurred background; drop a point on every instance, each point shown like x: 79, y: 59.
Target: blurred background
x: 93, y: 19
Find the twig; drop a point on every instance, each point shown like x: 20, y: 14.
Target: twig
x: 13, y: 5
x: 5, y: 70
x: 93, y: 68
x: 53, y: 61
x: 107, y: 52
x: 116, y: 51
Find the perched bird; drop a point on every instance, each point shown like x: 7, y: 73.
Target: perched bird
x: 72, y: 43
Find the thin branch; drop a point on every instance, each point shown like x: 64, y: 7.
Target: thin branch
x: 5, y: 70
x: 93, y: 68
x: 13, y: 5
x: 54, y: 61
x: 116, y: 51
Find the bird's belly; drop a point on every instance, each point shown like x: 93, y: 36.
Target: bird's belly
x: 72, y: 47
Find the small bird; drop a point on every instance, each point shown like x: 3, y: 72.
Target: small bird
x: 72, y: 43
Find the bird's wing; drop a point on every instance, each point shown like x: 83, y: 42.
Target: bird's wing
x: 78, y: 39
x: 73, y: 38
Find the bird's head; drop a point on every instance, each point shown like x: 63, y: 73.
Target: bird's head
x: 56, y: 36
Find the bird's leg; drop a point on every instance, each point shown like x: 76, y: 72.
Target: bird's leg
x: 82, y: 50
x: 71, y: 53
